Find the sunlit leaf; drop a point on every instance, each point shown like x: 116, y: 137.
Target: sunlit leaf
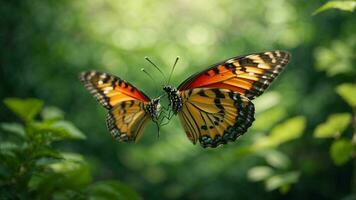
x: 334, y: 126
x: 15, y: 128
x: 348, y: 93
x: 281, y: 180
x: 259, y: 173
x: 52, y: 113
x: 268, y: 100
x: 267, y: 119
x: 341, y: 5
x: 341, y: 151
x: 336, y: 58
x: 26, y: 109
x: 277, y: 159
x: 291, y: 129
x: 107, y: 190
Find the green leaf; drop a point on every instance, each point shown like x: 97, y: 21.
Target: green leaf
x: 47, y: 152
x: 341, y: 5
x: 69, y: 130
x: 348, y: 92
x: 108, y: 190
x: 269, y: 118
x: 267, y: 101
x: 26, y: 109
x: 57, y: 130
x: 276, y: 159
x: 281, y: 180
x: 71, y: 172
x: 259, y: 173
x: 334, y: 126
x: 15, y: 128
x: 52, y: 113
x: 336, y: 58
x: 289, y: 130
x: 341, y: 151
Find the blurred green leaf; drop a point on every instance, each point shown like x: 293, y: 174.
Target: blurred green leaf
x: 107, y: 190
x: 58, y: 130
x: 281, y: 180
x: 341, y: 151
x: 291, y: 129
x: 341, y: 5
x: 269, y: 118
x: 348, y: 92
x: 26, y: 109
x: 6, y: 146
x: 259, y: 173
x: 68, y: 128
x: 52, y: 113
x: 71, y: 172
x: 15, y: 128
x: 47, y: 152
x: 334, y: 126
x: 336, y: 58
x: 277, y: 159
x: 267, y: 101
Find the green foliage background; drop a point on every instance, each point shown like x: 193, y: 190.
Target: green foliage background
x: 302, y: 143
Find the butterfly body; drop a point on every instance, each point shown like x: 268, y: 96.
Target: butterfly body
x: 175, y: 101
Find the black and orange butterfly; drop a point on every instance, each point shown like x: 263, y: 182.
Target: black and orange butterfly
x: 129, y: 108
x: 215, y: 105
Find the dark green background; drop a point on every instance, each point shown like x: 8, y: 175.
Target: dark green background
x: 45, y: 44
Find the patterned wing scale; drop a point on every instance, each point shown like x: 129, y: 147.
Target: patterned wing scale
x: 215, y: 116
x: 126, y: 120
x: 127, y: 115
x: 248, y: 75
x: 110, y: 90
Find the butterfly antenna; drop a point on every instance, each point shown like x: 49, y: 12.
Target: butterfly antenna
x: 155, y: 66
x: 149, y: 75
x: 174, y: 66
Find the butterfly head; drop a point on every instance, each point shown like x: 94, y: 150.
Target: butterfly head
x: 175, y: 101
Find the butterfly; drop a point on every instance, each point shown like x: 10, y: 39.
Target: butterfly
x: 129, y: 108
x: 214, y: 106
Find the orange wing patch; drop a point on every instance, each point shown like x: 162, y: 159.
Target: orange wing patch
x: 248, y: 75
x: 110, y: 90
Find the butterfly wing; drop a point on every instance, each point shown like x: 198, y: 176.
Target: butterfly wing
x: 215, y: 116
x: 126, y: 104
x: 248, y: 75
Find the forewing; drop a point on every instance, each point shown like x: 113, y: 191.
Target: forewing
x: 249, y: 75
x: 215, y: 116
x: 110, y: 90
x: 127, y: 120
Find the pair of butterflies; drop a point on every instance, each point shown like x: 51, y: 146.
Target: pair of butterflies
x: 214, y: 106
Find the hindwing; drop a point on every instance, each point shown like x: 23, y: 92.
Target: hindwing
x: 215, y: 116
